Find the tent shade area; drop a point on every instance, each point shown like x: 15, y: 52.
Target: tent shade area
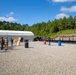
x: 15, y: 34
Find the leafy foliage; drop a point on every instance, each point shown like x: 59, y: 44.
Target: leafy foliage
x: 45, y: 29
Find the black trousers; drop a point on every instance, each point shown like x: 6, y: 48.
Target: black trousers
x: 1, y: 46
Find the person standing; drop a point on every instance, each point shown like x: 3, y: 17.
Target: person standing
x: 49, y: 40
x: 11, y: 42
x: 2, y: 42
x: 6, y: 43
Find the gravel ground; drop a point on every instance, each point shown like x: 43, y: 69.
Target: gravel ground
x: 39, y: 59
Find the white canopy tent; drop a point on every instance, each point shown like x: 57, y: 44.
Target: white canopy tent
x: 15, y: 34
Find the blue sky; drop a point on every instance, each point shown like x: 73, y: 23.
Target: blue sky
x: 35, y: 11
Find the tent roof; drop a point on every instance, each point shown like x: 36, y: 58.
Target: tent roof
x: 11, y: 32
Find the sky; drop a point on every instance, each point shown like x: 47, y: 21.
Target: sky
x: 34, y: 11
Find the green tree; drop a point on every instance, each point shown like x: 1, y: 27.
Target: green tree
x: 75, y: 22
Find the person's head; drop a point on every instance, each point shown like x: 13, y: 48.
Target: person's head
x: 1, y: 37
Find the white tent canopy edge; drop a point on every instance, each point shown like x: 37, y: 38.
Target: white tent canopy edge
x: 15, y: 34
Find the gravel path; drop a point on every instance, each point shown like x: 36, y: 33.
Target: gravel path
x: 39, y: 59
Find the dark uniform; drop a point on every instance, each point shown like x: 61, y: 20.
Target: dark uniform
x: 11, y: 43
x: 49, y: 40
x: 2, y: 42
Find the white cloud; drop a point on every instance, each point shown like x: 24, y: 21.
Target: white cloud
x: 71, y: 9
x: 61, y: 15
x: 10, y: 14
x: 63, y: 0
x: 9, y: 17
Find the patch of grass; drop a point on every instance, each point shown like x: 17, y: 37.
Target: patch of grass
x: 63, y: 32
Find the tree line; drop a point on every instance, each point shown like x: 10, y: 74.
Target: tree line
x: 43, y: 28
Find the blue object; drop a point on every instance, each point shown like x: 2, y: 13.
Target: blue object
x: 21, y: 40
x: 59, y: 43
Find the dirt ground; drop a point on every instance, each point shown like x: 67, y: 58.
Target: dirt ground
x: 39, y: 59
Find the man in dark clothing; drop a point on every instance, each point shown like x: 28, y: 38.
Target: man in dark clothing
x: 11, y: 42
x: 2, y: 43
x: 49, y: 40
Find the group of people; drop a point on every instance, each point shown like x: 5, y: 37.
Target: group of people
x: 4, y: 43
